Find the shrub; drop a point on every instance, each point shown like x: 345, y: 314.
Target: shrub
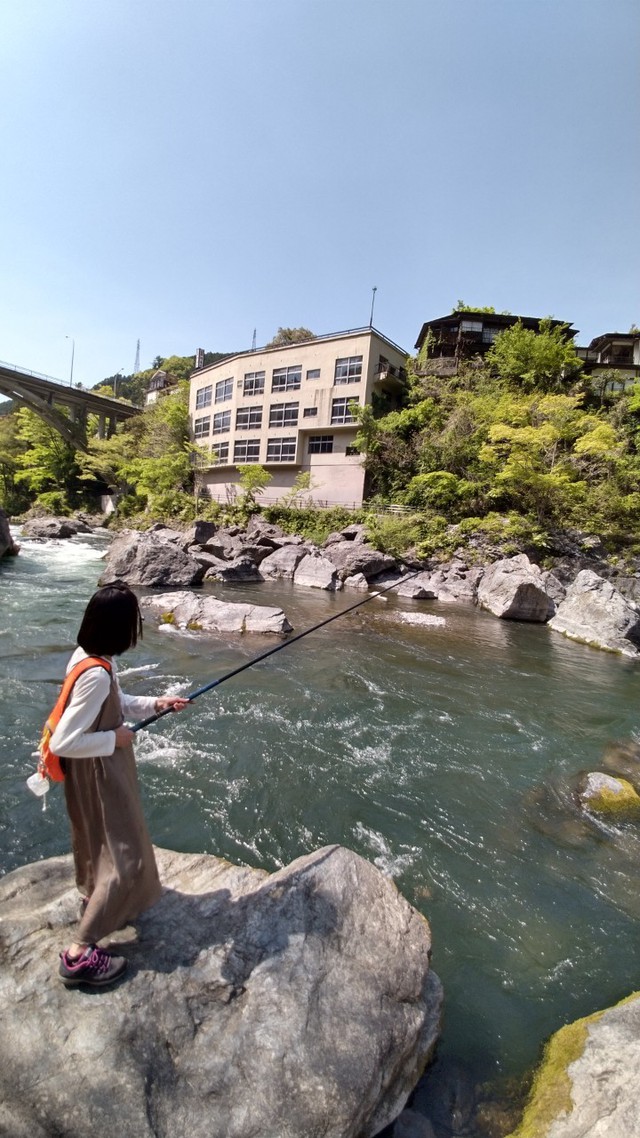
x: 393, y: 534
x: 313, y: 523
x: 54, y: 502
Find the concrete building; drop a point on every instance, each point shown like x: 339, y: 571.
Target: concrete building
x: 290, y: 410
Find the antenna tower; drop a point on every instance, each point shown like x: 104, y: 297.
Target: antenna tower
x: 253, y: 342
x: 136, y: 366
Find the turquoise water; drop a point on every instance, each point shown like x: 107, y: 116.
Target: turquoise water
x: 446, y: 755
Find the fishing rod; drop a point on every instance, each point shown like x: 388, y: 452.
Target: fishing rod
x: 272, y: 651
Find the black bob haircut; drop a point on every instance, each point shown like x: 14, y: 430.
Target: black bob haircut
x: 112, y: 621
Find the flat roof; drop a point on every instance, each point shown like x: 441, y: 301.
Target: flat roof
x: 302, y: 344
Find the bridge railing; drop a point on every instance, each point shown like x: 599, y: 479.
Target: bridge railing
x: 27, y: 371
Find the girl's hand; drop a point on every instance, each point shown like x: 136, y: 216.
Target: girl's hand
x: 123, y: 735
x: 171, y: 701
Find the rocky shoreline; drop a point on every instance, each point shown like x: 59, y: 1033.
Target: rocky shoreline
x: 580, y: 598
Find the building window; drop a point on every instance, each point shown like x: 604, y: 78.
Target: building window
x: 248, y: 418
x: 348, y: 370
x: 287, y: 378
x: 309, y: 412
x: 313, y: 373
x: 489, y: 335
x: 320, y: 444
x: 220, y: 454
x: 247, y: 450
x: 281, y: 450
x: 340, y: 410
x: 201, y: 427
x: 203, y: 397
x: 284, y: 415
x: 351, y: 451
x: 471, y: 325
x: 224, y: 390
x: 221, y: 422
x: 253, y: 383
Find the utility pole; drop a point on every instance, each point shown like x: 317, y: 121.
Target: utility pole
x: 373, y: 300
x: 73, y: 352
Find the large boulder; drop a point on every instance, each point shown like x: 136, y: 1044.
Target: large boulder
x: 198, y: 612
x: 416, y: 586
x: 595, y: 613
x: 456, y: 581
x: 149, y: 559
x: 285, y: 1006
x: 198, y: 534
x: 48, y: 529
x: 8, y: 546
x: 513, y: 589
x: 259, y: 529
x: 240, y: 569
x: 586, y: 1086
x: 350, y: 557
x: 282, y: 563
x: 317, y: 572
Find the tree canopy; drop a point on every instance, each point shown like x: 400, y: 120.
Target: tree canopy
x: 285, y: 336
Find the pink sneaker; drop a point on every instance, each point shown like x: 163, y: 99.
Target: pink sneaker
x: 95, y: 967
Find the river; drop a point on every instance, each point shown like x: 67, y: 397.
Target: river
x: 446, y: 755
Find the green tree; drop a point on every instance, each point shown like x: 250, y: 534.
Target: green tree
x: 462, y: 307
x: 253, y: 480
x: 285, y: 336
x: 544, y: 359
x: 11, y: 448
x: 151, y: 458
x: 47, y: 464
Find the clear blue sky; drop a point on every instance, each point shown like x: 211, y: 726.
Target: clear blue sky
x: 184, y: 171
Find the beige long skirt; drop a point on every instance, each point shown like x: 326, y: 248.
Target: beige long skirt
x: 114, y: 860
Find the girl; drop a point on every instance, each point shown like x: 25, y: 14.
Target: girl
x: 115, y: 866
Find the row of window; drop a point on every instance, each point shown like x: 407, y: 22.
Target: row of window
x: 278, y: 450
x: 280, y: 415
x: 347, y: 370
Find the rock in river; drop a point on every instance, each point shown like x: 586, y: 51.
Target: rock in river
x: 513, y: 589
x: 150, y: 559
x: 594, y: 612
x: 285, y: 1006
x: 586, y: 1086
x: 7, y: 544
x: 201, y: 613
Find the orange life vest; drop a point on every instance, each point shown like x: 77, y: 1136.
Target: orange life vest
x: 49, y: 764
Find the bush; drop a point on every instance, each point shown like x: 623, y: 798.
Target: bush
x: 393, y: 534
x: 313, y: 523
x: 54, y: 502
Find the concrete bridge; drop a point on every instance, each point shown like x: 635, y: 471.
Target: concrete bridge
x: 44, y: 395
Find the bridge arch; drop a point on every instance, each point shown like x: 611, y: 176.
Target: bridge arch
x: 44, y: 395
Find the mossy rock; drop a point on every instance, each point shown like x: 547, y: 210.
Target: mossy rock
x: 550, y: 1100
x: 194, y: 626
x: 167, y: 618
x: 609, y: 795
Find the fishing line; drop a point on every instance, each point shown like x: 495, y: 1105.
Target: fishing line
x: 272, y: 651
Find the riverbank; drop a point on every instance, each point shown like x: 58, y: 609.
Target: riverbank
x: 446, y: 755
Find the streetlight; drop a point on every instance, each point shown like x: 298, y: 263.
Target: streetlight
x: 73, y: 352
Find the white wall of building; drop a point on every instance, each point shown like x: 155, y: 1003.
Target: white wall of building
x: 299, y: 414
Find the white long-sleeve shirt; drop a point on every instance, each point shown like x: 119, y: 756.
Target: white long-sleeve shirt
x: 72, y: 738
